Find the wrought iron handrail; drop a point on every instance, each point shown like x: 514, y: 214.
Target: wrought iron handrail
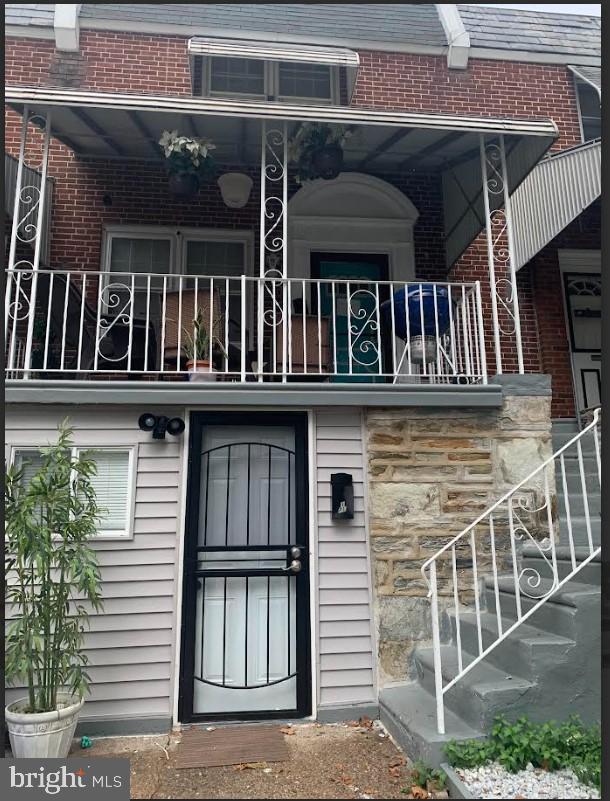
x: 516, y: 509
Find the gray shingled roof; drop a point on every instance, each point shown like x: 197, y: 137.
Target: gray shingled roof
x: 378, y: 22
x: 534, y: 31
x: 29, y: 13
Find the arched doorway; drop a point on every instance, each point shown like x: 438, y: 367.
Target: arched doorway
x: 352, y: 214
x: 350, y: 233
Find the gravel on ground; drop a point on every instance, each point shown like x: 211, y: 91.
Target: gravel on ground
x: 494, y: 781
x: 326, y: 761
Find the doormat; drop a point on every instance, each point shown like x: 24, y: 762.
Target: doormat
x: 231, y: 745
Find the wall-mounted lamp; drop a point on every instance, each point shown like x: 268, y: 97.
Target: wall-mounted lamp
x: 235, y: 188
x: 160, y: 425
x: 342, y: 496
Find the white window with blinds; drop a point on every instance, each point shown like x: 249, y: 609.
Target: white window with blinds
x: 114, y: 484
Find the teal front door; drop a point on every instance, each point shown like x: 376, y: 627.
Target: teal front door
x: 353, y: 313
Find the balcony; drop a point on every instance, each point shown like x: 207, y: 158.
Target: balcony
x: 96, y: 326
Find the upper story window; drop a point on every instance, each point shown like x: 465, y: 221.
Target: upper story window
x: 590, y: 111
x: 255, y: 79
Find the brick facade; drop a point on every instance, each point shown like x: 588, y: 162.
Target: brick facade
x: 128, y: 62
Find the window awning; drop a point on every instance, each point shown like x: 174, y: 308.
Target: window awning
x: 590, y: 75
x: 272, y: 51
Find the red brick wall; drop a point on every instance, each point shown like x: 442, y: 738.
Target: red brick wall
x: 583, y: 234
x: 486, y: 88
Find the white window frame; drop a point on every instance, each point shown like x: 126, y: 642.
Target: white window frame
x: 578, y: 82
x: 132, y: 450
x: 271, y: 86
x: 178, y: 236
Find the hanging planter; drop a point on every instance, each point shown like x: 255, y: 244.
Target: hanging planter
x: 189, y: 162
x: 328, y: 161
x: 317, y: 150
x: 183, y: 184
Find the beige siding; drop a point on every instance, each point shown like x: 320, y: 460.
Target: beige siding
x: 345, y: 631
x: 131, y: 645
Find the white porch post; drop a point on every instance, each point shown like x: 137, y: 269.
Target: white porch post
x: 273, y: 252
x: 27, y: 229
x: 500, y: 250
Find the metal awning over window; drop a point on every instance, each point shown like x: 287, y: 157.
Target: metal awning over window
x: 272, y: 51
x: 242, y: 48
x: 590, y: 75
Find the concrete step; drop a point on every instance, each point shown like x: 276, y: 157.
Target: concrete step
x: 408, y: 712
x: 527, y: 652
x: 577, y: 503
x: 570, y: 612
x: 589, y: 574
x: 579, y: 529
x: 572, y: 466
x: 482, y: 693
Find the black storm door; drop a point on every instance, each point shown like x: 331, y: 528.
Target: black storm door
x: 245, y: 650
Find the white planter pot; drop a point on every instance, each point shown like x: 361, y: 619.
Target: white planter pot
x: 42, y: 734
x: 203, y: 372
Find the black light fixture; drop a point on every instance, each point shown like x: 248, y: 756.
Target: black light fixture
x: 160, y: 425
x: 342, y: 496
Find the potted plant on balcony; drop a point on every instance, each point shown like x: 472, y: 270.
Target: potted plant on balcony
x: 317, y: 150
x: 197, y: 349
x: 189, y: 162
x: 50, y: 571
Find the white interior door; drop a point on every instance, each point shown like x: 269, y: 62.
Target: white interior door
x: 245, y: 650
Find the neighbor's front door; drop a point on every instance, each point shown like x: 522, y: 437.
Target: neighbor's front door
x: 583, y: 301
x: 246, y: 606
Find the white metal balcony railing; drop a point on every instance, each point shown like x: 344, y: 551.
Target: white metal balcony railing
x: 95, y: 324
x: 533, y: 514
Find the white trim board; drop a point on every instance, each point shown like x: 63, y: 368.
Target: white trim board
x: 44, y: 96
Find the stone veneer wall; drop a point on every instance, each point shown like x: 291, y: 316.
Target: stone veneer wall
x: 431, y: 472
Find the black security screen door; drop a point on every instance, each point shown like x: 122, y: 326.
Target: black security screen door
x: 245, y: 649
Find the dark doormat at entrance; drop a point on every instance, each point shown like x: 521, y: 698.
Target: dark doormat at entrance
x: 231, y: 745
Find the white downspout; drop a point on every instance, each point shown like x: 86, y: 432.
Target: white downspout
x: 458, y: 38
x: 66, y: 27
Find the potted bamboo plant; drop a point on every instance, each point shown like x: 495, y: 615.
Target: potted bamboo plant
x: 50, y: 573
x: 197, y: 349
x: 189, y: 162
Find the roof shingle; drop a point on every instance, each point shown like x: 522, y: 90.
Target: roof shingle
x: 385, y: 22
x: 532, y: 31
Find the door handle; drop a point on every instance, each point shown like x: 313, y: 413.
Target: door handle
x: 293, y: 567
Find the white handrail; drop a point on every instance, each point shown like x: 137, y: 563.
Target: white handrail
x: 517, y: 529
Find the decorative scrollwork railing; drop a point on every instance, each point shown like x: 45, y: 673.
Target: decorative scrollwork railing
x: 529, y: 514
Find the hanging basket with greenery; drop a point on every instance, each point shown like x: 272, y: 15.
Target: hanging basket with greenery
x: 317, y: 150
x: 188, y: 160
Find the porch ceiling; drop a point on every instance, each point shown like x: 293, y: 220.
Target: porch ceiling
x: 108, y: 125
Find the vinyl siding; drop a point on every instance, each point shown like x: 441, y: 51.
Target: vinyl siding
x: 345, y: 632
x: 131, y: 645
